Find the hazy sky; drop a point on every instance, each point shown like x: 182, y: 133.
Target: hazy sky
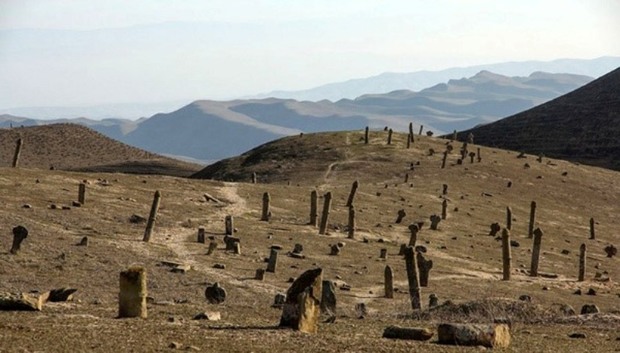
x: 75, y: 52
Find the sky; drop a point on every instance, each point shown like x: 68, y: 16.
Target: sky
x: 80, y: 53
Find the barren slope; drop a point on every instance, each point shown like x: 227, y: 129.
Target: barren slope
x: 582, y: 126
x: 467, y: 262
x: 75, y: 147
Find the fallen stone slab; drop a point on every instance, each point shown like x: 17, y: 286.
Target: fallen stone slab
x: 407, y: 333
x: 21, y: 302
x: 61, y: 294
x: 492, y: 336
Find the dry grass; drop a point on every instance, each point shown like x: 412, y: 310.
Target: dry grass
x: 467, y: 261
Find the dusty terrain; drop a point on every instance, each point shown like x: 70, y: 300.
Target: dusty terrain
x: 78, y: 148
x: 467, y: 262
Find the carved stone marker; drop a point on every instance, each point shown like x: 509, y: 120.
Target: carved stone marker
x: 328, y: 299
x: 215, y: 294
x: 366, y: 136
x: 229, y: 227
x: 327, y: 203
x: 495, y: 228
x: 530, y: 232
x: 582, y: 263
x: 18, y: 150
x: 201, y: 235
x: 487, y: 335
x: 536, y: 252
x: 266, y: 211
x: 82, y: 193
x: 212, y: 248
x: 152, y: 216
x: 388, y: 275
x: 435, y: 219
x: 414, y: 229
x: 424, y: 268
x: 444, y: 209
x: 354, y: 187
x: 19, y: 234
x: 413, y: 278
x: 400, y: 216
x: 273, y: 261
x: 508, y: 218
x: 506, y: 257
x: 301, y: 310
x: 314, y: 214
x: 133, y: 293
x: 351, y: 226
x: 389, y: 141
x: 592, y: 234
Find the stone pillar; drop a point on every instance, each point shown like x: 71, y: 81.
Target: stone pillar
x: 383, y: 254
x: 152, y: 216
x: 444, y: 209
x: 313, y: 208
x: 133, y: 292
x: 18, y: 151
x: 479, y: 155
x: 410, y: 133
x: 273, y: 261
x: 19, y: 234
x: 414, y: 229
x: 424, y: 268
x: 253, y: 177
x: 421, y: 128
x: 327, y: 203
x: 354, y: 187
x: 201, y: 235
x: 82, y: 193
x: 530, y: 232
x: 408, y: 141
x: 351, y: 233
x: 366, y: 136
x: 229, y: 225
x: 406, y: 178
x: 445, y: 189
x: 443, y: 161
x: 413, y: 278
x: 582, y: 263
x: 508, y: 218
x: 536, y: 252
x: 592, y: 234
x: 389, y: 282
x: 266, y: 212
x: 506, y: 257
x: 389, y: 141
x: 435, y: 219
x: 399, y: 217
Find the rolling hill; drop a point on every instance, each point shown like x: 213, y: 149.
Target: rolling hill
x: 77, y: 148
x: 581, y: 126
x: 210, y: 130
x: 466, y: 276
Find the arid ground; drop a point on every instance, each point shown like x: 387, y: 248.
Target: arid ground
x: 467, y: 261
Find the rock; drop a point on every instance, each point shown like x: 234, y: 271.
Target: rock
x: 279, y: 300
x: 406, y: 333
x: 61, y: 294
x: 565, y: 252
x: 334, y: 250
x: 296, y: 255
x: 298, y: 249
x: 134, y: 218
x: 215, y: 294
x: 525, y: 298
x: 577, y: 292
x: 208, y: 315
x: 21, y: 302
x: 219, y: 266
x: 181, y: 268
x: 433, y: 301
x: 83, y: 242
x: 577, y: 335
x: 514, y: 244
x: 76, y: 204
x: 27, y: 205
x: 301, y: 310
x: 589, y: 309
x: 361, y: 310
x: 491, y: 336
x: 175, y: 345
x: 567, y: 310
x: 591, y: 291
x: 276, y: 247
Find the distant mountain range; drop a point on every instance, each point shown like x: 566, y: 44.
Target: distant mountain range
x: 415, y: 81
x: 211, y: 130
x: 582, y: 126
